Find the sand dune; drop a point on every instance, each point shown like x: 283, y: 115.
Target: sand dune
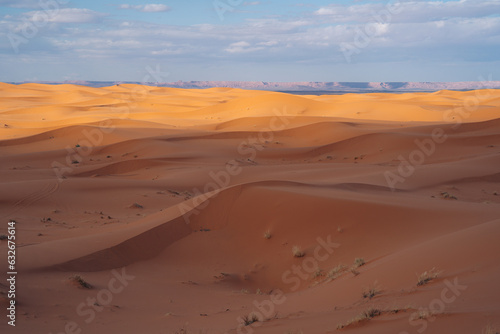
x: 199, y: 196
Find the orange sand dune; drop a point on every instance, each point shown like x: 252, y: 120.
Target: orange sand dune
x: 181, y: 209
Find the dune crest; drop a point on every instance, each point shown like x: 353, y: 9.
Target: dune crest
x: 306, y: 210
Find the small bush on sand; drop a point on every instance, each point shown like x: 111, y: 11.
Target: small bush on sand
x: 250, y: 319
x: 337, y: 271
x: 358, y: 262
x: 297, y: 251
x: 318, y: 273
x: 80, y: 281
x: 427, y: 276
x: 362, y: 317
x: 354, y: 271
x: 371, y: 292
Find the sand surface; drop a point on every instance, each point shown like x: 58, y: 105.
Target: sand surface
x: 181, y: 209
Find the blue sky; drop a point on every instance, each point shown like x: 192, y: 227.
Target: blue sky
x: 267, y: 40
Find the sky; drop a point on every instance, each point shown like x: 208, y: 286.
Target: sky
x: 238, y: 40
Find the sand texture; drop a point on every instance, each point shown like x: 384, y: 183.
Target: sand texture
x: 181, y: 209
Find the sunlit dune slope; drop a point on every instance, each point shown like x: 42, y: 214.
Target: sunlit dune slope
x: 201, y: 196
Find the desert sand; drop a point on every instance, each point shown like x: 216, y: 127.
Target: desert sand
x: 181, y: 210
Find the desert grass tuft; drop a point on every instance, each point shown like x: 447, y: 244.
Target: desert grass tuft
x: 297, y: 251
x: 447, y: 195
x: 267, y: 235
x: 318, y: 273
x: 358, y: 262
x: 354, y: 271
x: 427, y: 276
x: 250, y: 319
x: 80, y: 281
x: 396, y: 309
x: 420, y: 315
x: 371, y: 292
x: 362, y: 317
x: 337, y: 271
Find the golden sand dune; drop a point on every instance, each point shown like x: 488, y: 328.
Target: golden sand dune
x: 182, y: 208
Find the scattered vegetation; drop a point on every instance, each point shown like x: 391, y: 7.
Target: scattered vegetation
x: 340, y: 229
x: 297, y: 251
x: 182, y: 331
x: 370, y: 292
x: 447, y: 195
x: 490, y: 330
x: 396, y: 309
x: 80, y: 281
x: 337, y: 271
x: 318, y: 273
x: 358, y: 262
x: 427, y: 276
x: 354, y: 271
x: 420, y: 314
x: 362, y: 317
x: 267, y: 235
x: 136, y: 206
x: 222, y: 276
x: 250, y: 319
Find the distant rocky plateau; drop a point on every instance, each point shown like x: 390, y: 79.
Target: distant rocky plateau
x: 305, y: 87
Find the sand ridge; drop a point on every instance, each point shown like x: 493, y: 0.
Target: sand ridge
x: 201, y: 196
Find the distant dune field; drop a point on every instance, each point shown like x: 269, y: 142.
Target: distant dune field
x: 240, y: 211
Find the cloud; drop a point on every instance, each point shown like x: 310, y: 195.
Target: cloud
x: 237, y: 47
x: 408, y: 11
x: 423, y: 30
x: 148, y: 8
x: 289, y: 39
x: 251, y: 3
x: 20, y: 3
x: 268, y: 43
x: 65, y: 15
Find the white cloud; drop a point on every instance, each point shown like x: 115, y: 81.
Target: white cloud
x: 408, y: 11
x: 65, y: 15
x: 439, y: 24
x: 311, y: 37
x: 148, y: 8
x: 167, y: 52
x: 242, y: 47
x: 268, y: 43
x: 327, y: 11
x: 20, y: 3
